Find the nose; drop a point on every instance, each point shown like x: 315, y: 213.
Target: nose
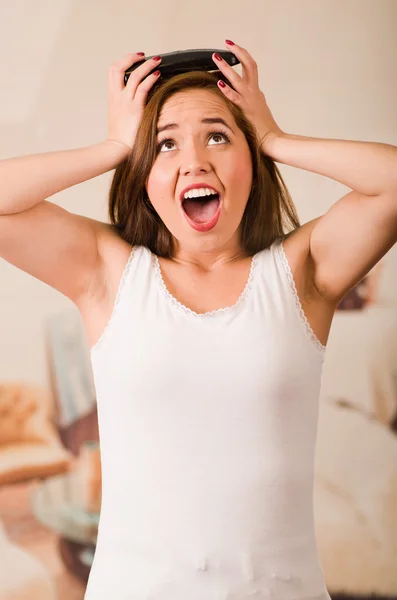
x: 194, y: 159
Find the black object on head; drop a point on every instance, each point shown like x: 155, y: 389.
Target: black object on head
x: 184, y: 61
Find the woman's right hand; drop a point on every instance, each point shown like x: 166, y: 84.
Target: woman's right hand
x: 126, y: 103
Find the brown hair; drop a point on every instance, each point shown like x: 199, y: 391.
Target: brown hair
x: 269, y: 207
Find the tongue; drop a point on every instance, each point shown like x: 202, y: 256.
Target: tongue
x: 201, y: 211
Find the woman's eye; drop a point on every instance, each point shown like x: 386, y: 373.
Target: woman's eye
x: 214, y: 134
x: 163, y: 144
x: 218, y: 135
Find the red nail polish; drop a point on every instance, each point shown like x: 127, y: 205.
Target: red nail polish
x: 230, y: 42
x: 222, y: 83
x: 157, y: 73
x: 217, y: 57
x: 140, y: 53
x: 156, y: 57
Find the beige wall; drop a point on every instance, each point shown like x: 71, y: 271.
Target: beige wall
x: 327, y: 68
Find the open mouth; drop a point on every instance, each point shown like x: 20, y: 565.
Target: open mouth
x: 202, y: 209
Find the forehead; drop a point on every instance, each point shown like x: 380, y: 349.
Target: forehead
x: 193, y: 104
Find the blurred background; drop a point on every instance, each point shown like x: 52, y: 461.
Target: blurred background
x: 328, y: 69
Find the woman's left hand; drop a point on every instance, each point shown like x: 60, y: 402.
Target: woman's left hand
x: 248, y: 95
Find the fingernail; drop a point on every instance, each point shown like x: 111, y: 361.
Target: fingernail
x: 221, y: 83
x: 157, y: 73
x: 217, y: 57
x: 230, y: 42
x: 140, y: 53
x: 156, y: 57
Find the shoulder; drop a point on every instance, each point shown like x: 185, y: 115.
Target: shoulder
x: 297, y: 242
x: 97, y: 305
x: 296, y: 246
x: 113, y: 254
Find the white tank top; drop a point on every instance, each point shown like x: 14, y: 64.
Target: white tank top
x: 207, y: 427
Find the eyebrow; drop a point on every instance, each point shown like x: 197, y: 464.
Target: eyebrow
x: 208, y: 120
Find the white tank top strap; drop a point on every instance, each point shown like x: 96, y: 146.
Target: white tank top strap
x: 126, y: 275
x: 280, y: 255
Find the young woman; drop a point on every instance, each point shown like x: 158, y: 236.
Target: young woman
x: 207, y: 307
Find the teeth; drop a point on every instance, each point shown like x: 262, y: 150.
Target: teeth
x: 199, y: 192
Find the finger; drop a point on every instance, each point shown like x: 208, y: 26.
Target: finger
x: 228, y: 71
x: 118, y: 69
x: 140, y: 74
x: 235, y: 97
x: 249, y: 64
x: 144, y: 87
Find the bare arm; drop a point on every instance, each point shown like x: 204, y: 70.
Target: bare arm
x: 27, y: 180
x: 62, y: 249
x: 41, y: 238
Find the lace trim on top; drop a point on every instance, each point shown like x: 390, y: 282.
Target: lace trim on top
x: 116, y: 303
x: 309, y: 331
x: 213, y: 313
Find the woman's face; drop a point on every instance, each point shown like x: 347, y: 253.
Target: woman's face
x: 195, y: 154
